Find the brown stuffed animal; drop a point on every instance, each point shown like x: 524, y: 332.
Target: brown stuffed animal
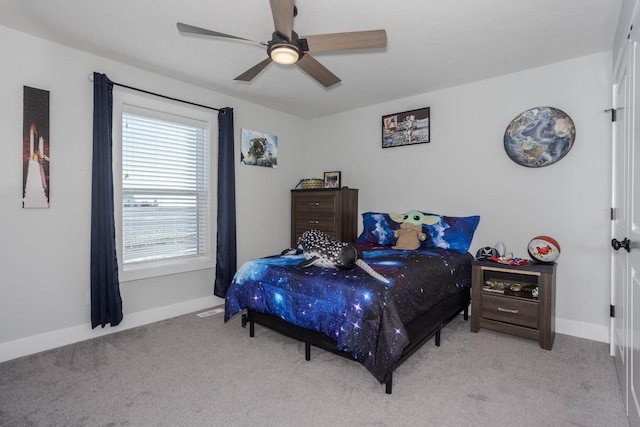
x: 410, y: 233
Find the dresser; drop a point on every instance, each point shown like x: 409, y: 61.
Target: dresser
x: 334, y: 211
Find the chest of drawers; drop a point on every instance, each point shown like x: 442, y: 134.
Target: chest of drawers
x: 334, y: 211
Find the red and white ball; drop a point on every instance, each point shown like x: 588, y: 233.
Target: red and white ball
x: 544, y: 249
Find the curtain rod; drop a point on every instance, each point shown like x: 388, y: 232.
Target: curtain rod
x: 156, y: 94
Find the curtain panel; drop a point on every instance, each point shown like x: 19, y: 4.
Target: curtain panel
x: 106, y: 303
x: 226, y: 254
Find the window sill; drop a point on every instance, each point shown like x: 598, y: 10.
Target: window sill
x: 163, y: 268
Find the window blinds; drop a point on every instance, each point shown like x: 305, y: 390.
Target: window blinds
x: 165, y: 187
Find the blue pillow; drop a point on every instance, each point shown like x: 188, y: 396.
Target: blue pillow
x: 454, y: 233
x: 378, y: 229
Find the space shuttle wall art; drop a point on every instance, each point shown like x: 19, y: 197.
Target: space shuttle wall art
x: 35, y: 148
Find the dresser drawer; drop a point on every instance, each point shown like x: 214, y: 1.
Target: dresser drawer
x: 315, y: 203
x: 510, y: 310
x: 315, y: 221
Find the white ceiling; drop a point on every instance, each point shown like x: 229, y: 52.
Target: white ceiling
x: 432, y: 44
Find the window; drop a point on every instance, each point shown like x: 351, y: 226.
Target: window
x: 165, y: 193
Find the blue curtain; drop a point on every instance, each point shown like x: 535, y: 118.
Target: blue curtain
x: 106, y: 304
x: 226, y: 256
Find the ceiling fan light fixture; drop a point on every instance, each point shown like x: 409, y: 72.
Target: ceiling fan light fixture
x: 284, y: 53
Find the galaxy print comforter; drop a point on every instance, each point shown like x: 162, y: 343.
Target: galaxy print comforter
x: 364, y: 316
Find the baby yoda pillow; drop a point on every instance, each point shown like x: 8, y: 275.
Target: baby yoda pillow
x: 455, y: 233
x: 410, y: 233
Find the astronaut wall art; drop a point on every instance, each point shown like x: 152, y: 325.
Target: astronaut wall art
x: 259, y: 149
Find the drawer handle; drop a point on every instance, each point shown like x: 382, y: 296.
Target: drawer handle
x: 508, y: 310
x: 313, y: 204
x: 313, y: 222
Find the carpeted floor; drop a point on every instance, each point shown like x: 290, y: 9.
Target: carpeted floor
x: 192, y: 371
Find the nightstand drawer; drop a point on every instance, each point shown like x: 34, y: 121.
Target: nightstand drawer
x: 510, y: 310
x: 315, y: 203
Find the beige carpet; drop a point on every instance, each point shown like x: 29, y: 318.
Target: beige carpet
x: 192, y: 371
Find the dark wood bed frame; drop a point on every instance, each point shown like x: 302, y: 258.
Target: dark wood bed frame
x: 420, y: 330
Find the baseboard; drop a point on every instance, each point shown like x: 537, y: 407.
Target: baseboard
x: 37, y: 343
x: 583, y: 330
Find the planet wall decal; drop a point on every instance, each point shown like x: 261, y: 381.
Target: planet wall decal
x: 539, y: 137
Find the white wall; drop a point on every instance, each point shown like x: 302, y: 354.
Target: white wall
x: 44, y: 253
x: 464, y: 170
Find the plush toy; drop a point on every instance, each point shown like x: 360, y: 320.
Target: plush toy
x: 322, y: 250
x: 410, y: 233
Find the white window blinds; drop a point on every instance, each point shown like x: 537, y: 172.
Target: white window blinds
x: 165, y: 187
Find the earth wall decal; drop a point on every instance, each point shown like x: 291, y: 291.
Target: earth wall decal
x: 539, y: 137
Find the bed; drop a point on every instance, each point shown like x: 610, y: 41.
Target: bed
x: 352, y: 314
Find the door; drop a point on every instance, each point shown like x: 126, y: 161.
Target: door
x: 625, y: 344
x: 633, y: 233
x: 620, y: 208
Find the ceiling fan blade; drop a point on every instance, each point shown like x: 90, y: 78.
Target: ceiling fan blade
x: 282, y: 11
x: 186, y: 28
x: 372, y: 39
x: 248, y: 75
x: 318, y: 71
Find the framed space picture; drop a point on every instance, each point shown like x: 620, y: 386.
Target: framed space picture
x: 35, y: 148
x: 259, y: 149
x: 406, y: 128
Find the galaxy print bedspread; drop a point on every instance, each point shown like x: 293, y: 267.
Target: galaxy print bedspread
x: 364, y: 316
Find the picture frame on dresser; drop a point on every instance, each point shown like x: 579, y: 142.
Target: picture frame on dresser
x: 332, y: 179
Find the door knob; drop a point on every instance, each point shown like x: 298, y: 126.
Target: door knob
x: 626, y: 244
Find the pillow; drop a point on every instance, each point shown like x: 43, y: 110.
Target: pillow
x: 378, y: 229
x: 454, y: 233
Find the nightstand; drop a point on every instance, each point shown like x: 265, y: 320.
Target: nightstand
x: 518, y: 300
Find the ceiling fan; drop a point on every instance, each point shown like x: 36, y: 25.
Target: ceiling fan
x: 286, y: 47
